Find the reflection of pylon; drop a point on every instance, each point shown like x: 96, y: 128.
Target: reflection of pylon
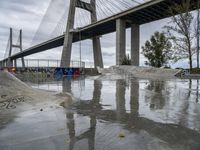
x: 66, y: 54
x: 17, y: 45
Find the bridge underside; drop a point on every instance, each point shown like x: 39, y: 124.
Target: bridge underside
x: 142, y: 14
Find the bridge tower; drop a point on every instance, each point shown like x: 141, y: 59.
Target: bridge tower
x: 67, y: 47
x: 11, y: 46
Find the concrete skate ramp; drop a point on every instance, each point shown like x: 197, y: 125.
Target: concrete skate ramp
x: 14, y: 92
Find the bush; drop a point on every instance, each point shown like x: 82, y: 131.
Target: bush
x: 126, y: 60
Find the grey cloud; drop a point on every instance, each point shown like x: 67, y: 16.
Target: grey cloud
x: 108, y: 54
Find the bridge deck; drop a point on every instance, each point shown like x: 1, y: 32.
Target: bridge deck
x: 142, y: 14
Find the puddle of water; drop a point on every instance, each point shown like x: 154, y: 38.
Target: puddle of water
x: 112, y: 115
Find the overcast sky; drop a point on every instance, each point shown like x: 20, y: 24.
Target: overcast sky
x: 28, y: 14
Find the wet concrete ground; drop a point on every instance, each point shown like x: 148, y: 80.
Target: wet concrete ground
x: 131, y: 114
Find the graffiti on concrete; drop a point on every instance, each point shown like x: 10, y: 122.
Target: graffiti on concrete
x: 10, y: 103
x: 60, y: 72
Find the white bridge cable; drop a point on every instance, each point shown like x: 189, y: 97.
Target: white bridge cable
x: 104, y: 7
x: 51, y: 26
x: 50, y: 21
x: 115, y: 6
x: 16, y: 50
x: 99, y: 15
x: 60, y: 27
x: 7, y: 48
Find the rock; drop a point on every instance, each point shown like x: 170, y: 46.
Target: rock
x: 121, y: 135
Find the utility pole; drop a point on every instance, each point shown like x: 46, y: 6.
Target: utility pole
x: 198, y: 31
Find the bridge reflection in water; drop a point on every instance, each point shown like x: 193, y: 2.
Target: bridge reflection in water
x: 150, y: 114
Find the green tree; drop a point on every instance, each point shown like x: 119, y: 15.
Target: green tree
x: 180, y: 31
x: 157, y: 50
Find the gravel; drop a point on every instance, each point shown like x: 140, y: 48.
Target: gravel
x: 116, y: 72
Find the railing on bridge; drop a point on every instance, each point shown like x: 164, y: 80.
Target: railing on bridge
x: 44, y: 68
x: 48, y: 63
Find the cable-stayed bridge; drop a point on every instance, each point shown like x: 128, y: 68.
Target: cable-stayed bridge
x: 89, y: 19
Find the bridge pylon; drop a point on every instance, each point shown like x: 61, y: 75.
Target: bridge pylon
x: 68, y: 40
x: 11, y: 45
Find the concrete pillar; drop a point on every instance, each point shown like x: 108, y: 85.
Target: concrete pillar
x: 98, y: 60
x: 20, y: 36
x: 6, y: 63
x: 67, y: 47
x: 15, y: 63
x: 9, y: 63
x: 135, y: 45
x: 120, y: 40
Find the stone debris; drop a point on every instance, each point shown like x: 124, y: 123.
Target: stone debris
x: 121, y: 135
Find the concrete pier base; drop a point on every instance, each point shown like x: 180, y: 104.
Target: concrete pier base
x: 135, y: 45
x: 120, y: 40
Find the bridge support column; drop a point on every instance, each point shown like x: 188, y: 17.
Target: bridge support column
x: 120, y: 40
x: 15, y: 63
x: 21, y: 49
x: 9, y: 63
x: 67, y: 47
x: 6, y: 63
x: 135, y: 45
x: 98, y: 60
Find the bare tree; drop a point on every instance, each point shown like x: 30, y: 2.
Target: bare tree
x: 180, y: 31
x: 197, y: 31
